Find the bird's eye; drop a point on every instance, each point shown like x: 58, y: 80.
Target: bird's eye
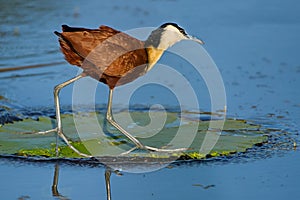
x: 182, y: 31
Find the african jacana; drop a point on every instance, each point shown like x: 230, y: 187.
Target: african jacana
x: 114, y: 58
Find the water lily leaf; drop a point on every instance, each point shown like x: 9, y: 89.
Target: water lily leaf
x: 90, y: 134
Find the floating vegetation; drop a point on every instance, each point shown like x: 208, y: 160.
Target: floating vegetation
x: 19, y: 138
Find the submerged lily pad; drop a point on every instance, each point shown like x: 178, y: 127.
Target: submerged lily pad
x: 92, y: 135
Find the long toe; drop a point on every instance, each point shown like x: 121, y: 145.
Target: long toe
x: 165, y: 150
x: 129, y: 151
x: 153, y: 149
x: 62, y: 136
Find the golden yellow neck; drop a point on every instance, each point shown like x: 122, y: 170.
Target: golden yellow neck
x: 154, y: 55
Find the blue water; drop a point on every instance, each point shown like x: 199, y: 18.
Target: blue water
x: 256, y: 47
x: 274, y: 178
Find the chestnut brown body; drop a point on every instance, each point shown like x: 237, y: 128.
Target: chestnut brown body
x: 105, y: 54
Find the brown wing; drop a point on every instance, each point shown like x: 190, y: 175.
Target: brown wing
x: 110, y: 51
x: 83, y: 40
x: 123, y: 70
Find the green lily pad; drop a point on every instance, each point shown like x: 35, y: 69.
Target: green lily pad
x: 90, y: 134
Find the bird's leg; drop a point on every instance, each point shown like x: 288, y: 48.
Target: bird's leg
x: 138, y: 144
x: 111, y: 120
x: 58, y: 128
x: 58, y: 116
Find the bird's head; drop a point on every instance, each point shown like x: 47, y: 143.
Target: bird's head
x: 167, y: 35
x: 164, y: 37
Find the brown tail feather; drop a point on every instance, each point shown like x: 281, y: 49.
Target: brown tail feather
x: 66, y: 28
x: 71, y: 55
x: 57, y: 33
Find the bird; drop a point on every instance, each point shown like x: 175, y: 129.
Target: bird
x: 113, y: 58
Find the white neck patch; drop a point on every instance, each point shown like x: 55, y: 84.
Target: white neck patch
x: 170, y: 36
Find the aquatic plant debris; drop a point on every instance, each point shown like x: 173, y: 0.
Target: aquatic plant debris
x: 18, y: 138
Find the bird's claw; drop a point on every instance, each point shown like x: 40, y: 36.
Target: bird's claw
x: 165, y: 150
x: 154, y: 149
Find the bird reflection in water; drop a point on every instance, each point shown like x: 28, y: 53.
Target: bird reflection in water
x: 58, y: 195
x: 55, y: 191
